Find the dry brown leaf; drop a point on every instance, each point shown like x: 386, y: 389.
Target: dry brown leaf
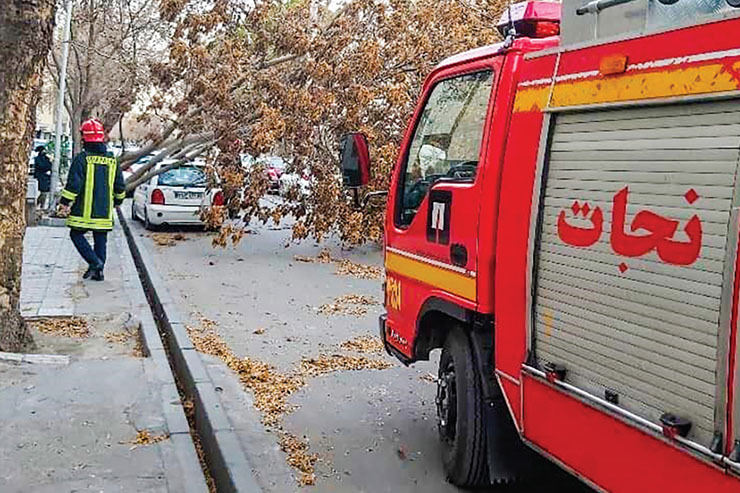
x: 139, y: 351
x: 363, y: 344
x: 74, y: 327
x: 343, y: 305
x: 121, y: 337
x: 324, y: 257
x: 298, y: 457
x: 145, y: 437
x: 167, y: 239
x: 344, y: 267
x: 361, y: 271
x: 324, y: 363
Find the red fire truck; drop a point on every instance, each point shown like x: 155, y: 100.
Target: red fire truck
x: 563, y: 223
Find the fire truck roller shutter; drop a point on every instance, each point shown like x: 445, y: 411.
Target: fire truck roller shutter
x: 633, y: 274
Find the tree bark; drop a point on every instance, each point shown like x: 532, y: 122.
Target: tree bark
x: 26, y: 28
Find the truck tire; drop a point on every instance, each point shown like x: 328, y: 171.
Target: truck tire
x: 460, y: 419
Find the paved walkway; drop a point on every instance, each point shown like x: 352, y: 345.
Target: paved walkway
x: 74, y: 427
x: 51, y: 269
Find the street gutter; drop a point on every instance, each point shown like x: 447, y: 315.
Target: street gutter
x: 224, y: 457
x: 185, y: 455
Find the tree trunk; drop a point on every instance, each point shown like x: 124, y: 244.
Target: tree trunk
x: 26, y: 28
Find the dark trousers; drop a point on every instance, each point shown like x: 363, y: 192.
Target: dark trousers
x: 94, y: 257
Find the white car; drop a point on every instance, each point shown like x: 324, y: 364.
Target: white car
x: 174, y: 197
x: 290, y: 180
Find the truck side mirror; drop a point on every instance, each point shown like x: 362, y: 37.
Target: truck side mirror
x: 355, y: 160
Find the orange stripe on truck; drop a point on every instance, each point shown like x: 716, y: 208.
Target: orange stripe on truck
x: 703, y: 79
x: 448, y: 280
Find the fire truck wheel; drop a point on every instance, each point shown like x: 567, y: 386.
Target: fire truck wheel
x: 460, y: 413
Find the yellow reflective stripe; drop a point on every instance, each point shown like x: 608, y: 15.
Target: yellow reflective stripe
x: 81, y: 222
x: 89, y: 187
x: 106, y: 160
x: 66, y: 194
x: 111, y: 180
x: 438, y: 277
x: 120, y: 196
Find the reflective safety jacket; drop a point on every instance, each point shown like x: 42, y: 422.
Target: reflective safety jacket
x: 94, y: 186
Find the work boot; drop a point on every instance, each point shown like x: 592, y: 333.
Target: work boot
x: 88, y: 273
x: 97, y: 275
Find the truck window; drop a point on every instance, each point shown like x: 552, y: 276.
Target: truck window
x: 447, y: 139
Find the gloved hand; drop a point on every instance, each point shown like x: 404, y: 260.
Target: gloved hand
x: 63, y: 210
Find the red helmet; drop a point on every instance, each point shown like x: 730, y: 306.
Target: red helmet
x: 92, y: 130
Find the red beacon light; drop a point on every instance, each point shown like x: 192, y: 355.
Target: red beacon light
x: 532, y: 19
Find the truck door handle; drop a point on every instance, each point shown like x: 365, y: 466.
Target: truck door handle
x: 458, y: 255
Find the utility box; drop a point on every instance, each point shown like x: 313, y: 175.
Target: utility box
x: 32, y: 193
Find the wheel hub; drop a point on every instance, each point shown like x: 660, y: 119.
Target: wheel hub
x: 447, y: 402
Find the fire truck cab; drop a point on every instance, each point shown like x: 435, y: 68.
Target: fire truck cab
x: 563, y: 223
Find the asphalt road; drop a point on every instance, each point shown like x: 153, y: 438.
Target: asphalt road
x: 373, y: 430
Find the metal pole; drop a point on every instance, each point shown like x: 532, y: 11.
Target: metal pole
x: 60, y: 103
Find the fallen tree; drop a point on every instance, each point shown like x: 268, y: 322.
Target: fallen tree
x: 290, y: 78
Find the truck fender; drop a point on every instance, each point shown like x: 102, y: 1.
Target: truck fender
x: 432, y: 325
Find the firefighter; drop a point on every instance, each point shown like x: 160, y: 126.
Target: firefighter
x: 94, y: 186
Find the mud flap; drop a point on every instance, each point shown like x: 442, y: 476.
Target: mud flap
x: 508, y: 457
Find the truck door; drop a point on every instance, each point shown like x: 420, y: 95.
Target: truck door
x: 431, y: 248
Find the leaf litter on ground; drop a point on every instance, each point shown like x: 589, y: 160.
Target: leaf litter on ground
x: 363, y: 344
x: 73, y: 327
x: 167, y: 239
x: 123, y: 337
x: 145, y: 437
x: 345, y: 267
x: 349, y: 304
x: 272, y: 388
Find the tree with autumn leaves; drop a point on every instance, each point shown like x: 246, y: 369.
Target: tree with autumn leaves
x: 290, y: 78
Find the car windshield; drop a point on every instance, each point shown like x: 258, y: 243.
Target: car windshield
x: 183, y: 176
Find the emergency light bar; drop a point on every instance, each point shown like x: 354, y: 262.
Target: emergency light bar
x: 536, y: 19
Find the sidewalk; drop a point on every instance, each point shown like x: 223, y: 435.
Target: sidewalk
x: 74, y: 427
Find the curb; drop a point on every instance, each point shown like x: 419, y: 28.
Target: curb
x: 56, y: 222
x: 189, y: 474
x: 226, y: 460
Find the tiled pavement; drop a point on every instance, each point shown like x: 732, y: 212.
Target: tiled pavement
x: 51, y: 268
x: 52, y: 284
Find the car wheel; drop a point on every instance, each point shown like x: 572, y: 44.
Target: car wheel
x: 460, y: 419
x: 148, y: 225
